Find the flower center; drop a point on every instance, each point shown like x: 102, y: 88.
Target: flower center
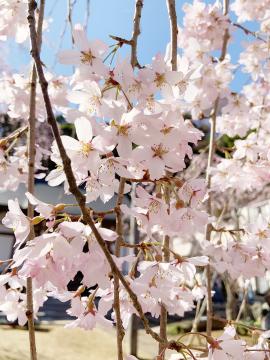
x: 166, y: 130
x: 154, y: 206
x: 86, y: 148
x: 121, y: 129
x: 57, y: 84
x: 87, y: 57
x: 159, y: 151
x: 262, y: 234
x: 160, y: 80
x: 94, y: 103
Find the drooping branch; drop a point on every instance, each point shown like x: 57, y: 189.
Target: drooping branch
x: 73, y: 188
x: 31, y: 152
x: 208, y: 177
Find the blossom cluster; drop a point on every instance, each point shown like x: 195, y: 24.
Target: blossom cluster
x: 141, y: 125
x: 127, y: 126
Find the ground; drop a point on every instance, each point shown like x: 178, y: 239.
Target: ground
x: 54, y: 341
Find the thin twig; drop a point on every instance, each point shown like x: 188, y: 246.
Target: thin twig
x: 71, y: 5
x: 248, y: 31
x: 73, y: 188
x: 243, y: 305
x: 62, y: 34
x: 121, y: 40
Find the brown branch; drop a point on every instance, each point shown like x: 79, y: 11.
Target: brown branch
x: 119, y: 229
x: 174, y: 32
x: 73, y: 188
x: 31, y: 180
x: 136, y: 32
x: 226, y: 38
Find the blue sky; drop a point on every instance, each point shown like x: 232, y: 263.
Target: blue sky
x: 111, y: 17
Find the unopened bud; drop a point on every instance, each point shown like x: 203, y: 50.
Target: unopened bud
x: 159, y: 195
x: 178, y: 182
x: 80, y: 290
x: 3, y: 143
x: 37, y: 219
x: 59, y: 207
x: 158, y: 258
x: 179, y: 204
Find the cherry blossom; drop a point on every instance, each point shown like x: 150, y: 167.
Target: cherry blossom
x: 148, y: 127
x: 16, y: 220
